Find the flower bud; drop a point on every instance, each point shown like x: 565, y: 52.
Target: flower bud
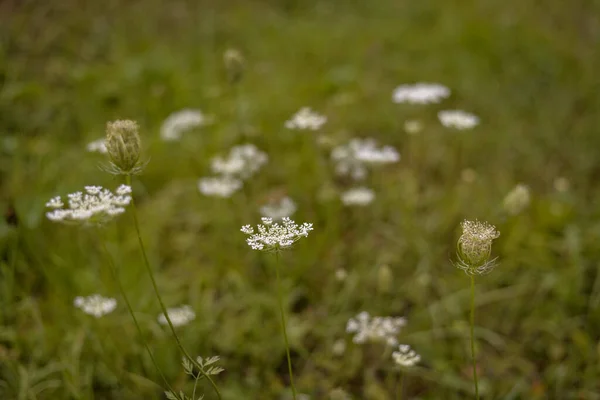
x: 123, y: 145
x: 234, y: 63
x: 474, y: 247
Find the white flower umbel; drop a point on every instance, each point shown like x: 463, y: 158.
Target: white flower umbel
x: 219, y: 186
x: 458, y: 119
x: 97, y: 146
x: 179, y: 316
x: 276, y: 210
x: 351, y: 158
x: 177, y: 123
x: 96, y: 206
x: 420, y: 93
x: 405, y: 356
x: 95, y: 305
x: 275, y: 236
x: 375, y: 329
x: 306, y: 119
x: 360, y: 196
x: 242, y: 162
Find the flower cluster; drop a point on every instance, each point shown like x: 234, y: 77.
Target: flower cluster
x: 306, y: 119
x: 276, y: 210
x: 181, y: 121
x: 458, y: 119
x: 375, y: 329
x: 359, y: 196
x: 96, y: 206
x: 179, y: 316
x: 97, y: 146
x: 353, y: 158
x: 517, y: 199
x: 474, y: 247
x: 405, y: 356
x: 95, y: 305
x: 219, y: 186
x: 275, y: 236
x: 420, y: 93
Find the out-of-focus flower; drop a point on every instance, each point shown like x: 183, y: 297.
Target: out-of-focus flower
x: 181, y: 121
x: 339, y: 347
x: 95, y: 305
x: 405, y: 356
x: 375, y: 329
x: 561, y: 184
x: 420, y: 93
x: 242, y: 162
x: 412, y: 127
x: 275, y: 236
x: 517, y: 199
x: 468, y: 175
x: 341, y: 274
x: 458, y: 119
x: 353, y: 157
x: 306, y: 119
x: 179, y: 316
x: 276, y: 210
x: 97, y: 146
x: 219, y: 186
x: 360, y: 196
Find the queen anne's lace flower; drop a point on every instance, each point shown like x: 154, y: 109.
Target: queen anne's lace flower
x: 405, y: 356
x: 284, y: 207
x: 420, y: 93
x: 219, y: 186
x: 96, y: 206
x: 458, y: 119
x: 353, y: 157
x: 179, y: 316
x: 98, y: 146
x: 360, y: 196
x: 375, y: 329
x: 177, y: 123
x: 242, y: 161
x: 95, y: 305
x: 474, y: 247
x: 306, y: 119
x: 275, y: 236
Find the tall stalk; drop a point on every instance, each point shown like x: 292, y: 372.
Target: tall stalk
x: 159, y: 297
x: 473, y: 337
x: 283, y: 326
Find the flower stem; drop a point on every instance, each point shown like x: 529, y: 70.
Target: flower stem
x: 473, y: 337
x: 400, y: 386
x: 159, y: 297
x: 115, y: 275
x: 283, y: 328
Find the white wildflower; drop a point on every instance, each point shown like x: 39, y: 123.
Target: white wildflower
x: 517, y: 199
x: 360, y: 196
x: 177, y: 123
x: 95, y: 305
x: 375, y: 329
x: 219, y: 186
x: 306, y: 119
x: 561, y: 184
x: 339, y: 347
x: 179, y: 316
x: 242, y: 161
x: 96, y: 206
x: 276, y: 210
x: 412, y: 127
x: 97, y: 146
x: 458, y: 119
x: 405, y: 356
x: 341, y: 274
x: 275, y: 236
x: 351, y: 158
x: 420, y: 93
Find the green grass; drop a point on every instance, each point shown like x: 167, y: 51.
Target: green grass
x: 529, y: 70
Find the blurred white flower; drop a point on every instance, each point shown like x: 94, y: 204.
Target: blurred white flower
x: 219, y: 186
x: 458, y: 119
x: 179, y: 316
x: 517, y: 199
x: 97, y: 146
x: 275, y: 236
x: 405, y: 356
x: 420, y: 93
x: 351, y: 158
x: 306, y: 119
x: 179, y: 122
x: 95, y: 305
x: 468, y: 175
x: 341, y: 274
x: 360, y: 196
x: 375, y: 329
x: 276, y: 210
x: 561, y: 184
x: 339, y: 347
x: 412, y: 127
x: 96, y: 206
x: 242, y: 161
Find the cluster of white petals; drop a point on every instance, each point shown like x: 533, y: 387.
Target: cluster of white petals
x: 420, y: 93
x: 96, y: 206
x: 275, y: 236
x: 353, y: 158
x: 97, y: 146
x: 359, y: 196
x: 177, y: 123
x: 375, y: 329
x: 306, y: 119
x: 405, y: 356
x: 95, y: 305
x: 276, y: 210
x: 179, y: 316
x: 458, y: 119
x: 219, y: 186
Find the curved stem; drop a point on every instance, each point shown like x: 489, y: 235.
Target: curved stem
x: 115, y: 275
x: 159, y: 297
x: 283, y: 328
x: 473, y: 337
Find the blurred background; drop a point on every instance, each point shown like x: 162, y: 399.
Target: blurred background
x: 527, y: 69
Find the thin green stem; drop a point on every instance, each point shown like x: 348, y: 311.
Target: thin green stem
x: 473, y: 337
x: 283, y: 328
x: 159, y: 297
x: 400, y: 386
x: 115, y: 275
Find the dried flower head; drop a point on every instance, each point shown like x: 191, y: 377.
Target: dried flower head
x: 95, y: 305
x: 420, y: 93
x: 306, y: 119
x: 97, y: 146
x: 94, y: 207
x: 360, y: 196
x: 124, y: 147
x: 276, y: 210
x: 275, y: 236
x: 179, y: 316
x: 517, y: 199
x: 458, y: 119
x: 375, y: 329
x: 405, y: 356
x: 474, y: 247
x: 219, y: 186
x: 181, y: 121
